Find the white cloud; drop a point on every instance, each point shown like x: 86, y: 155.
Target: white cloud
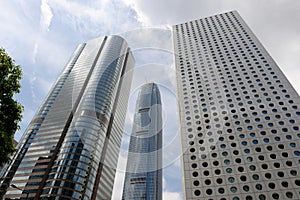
x: 164, y: 182
x: 171, y: 196
x: 45, y: 21
x: 32, y: 83
x: 35, y: 51
x: 96, y: 17
x: 119, y: 178
x: 46, y: 16
x: 141, y: 16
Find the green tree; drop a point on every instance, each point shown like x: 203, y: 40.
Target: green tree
x: 10, y: 109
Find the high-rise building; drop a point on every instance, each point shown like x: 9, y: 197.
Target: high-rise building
x: 239, y: 115
x: 70, y: 148
x: 143, y: 178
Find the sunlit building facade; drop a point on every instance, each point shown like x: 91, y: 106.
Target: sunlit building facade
x: 239, y: 115
x: 70, y: 149
x: 143, y: 178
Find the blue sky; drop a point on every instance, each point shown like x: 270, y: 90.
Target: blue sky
x: 42, y: 34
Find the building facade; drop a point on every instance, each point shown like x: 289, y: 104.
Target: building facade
x: 239, y: 115
x: 143, y: 178
x: 70, y: 149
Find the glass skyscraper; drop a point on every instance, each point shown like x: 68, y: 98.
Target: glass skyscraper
x: 143, y: 178
x: 239, y: 115
x: 70, y: 149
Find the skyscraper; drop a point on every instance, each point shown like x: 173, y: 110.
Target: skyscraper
x: 143, y: 178
x: 239, y: 115
x: 70, y: 148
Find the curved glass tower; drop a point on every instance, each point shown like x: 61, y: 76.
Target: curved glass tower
x: 70, y: 149
x: 143, y: 178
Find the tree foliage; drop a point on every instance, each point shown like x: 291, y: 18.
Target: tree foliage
x: 10, y: 109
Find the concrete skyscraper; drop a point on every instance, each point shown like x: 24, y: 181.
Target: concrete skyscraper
x: 239, y: 115
x: 143, y: 178
x: 70, y: 149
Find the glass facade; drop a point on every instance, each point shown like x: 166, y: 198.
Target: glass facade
x: 143, y: 178
x: 69, y: 150
x: 239, y: 115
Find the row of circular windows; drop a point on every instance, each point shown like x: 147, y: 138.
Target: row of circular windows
x: 233, y: 189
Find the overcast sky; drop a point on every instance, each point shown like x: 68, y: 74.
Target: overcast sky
x: 42, y: 34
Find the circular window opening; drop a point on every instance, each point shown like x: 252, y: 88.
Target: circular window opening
x: 273, y: 156
x: 277, y: 165
x: 275, y: 196
x: 289, y: 195
x: 280, y: 174
x: 269, y: 148
x: 233, y: 189
x: 241, y: 169
x: 231, y: 179
x: 197, y: 192
x: 207, y: 182
x: 221, y: 190
x: 271, y: 185
x: 264, y: 166
x: 206, y: 173
x: 268, y: 175
x: 285, y: 184
x: 293, y: 172
x: 246, y: 188
x: 243, y: 178
x: 285, y: 154
x: 219, y: 181
x: 261, y: 157
x: 196, y: 183
x: 262, y: 197
x: 249, y: 198
x: 195, y: 174
x: 258, y: 149
x: 258, y: 186
x: 252, y: 167
x: 209, y: 191
x: 216, y: 163
x: 255, y: 177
